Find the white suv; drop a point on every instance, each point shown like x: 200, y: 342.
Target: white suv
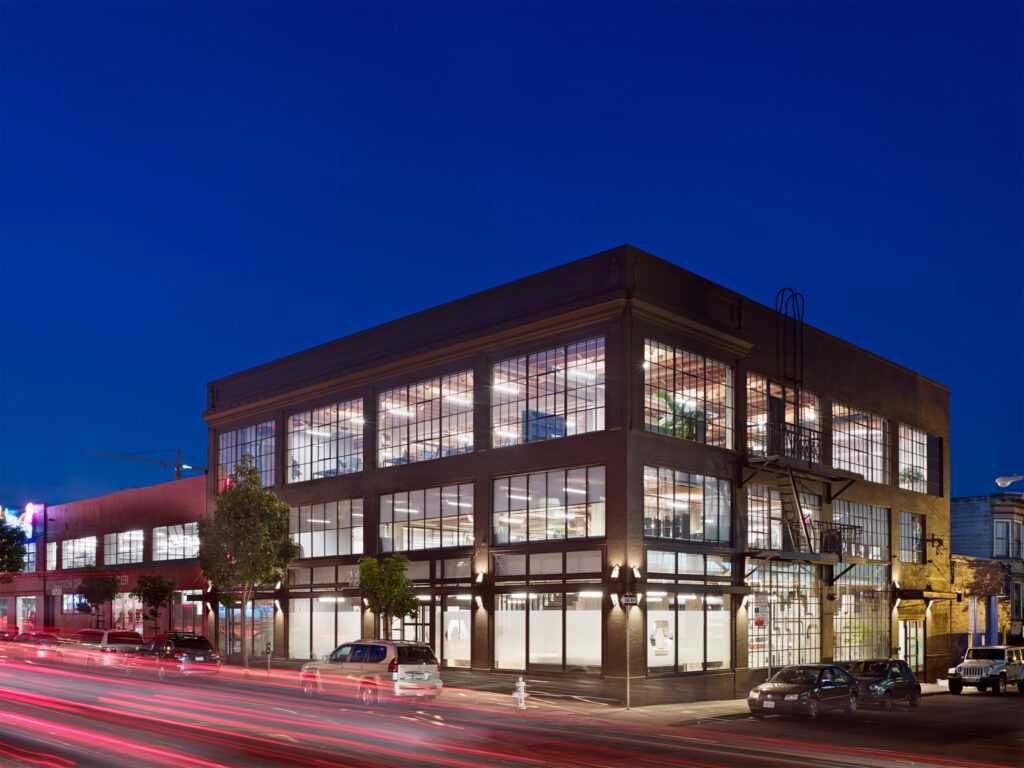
x: 989, y: 666
x: 374, y: 670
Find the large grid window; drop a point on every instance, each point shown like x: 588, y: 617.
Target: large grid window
x: 30, y: 557
x: 782, y: 421
x: 426, y: 420
x: 176, y: 542
x: 257, y: 441
x: 328, y: 529
x: 920, y: 461
x: 325, y: 442
x: 685, y: 506
x: 874, y: 526
x: 51, y: 555
x: 791, y: 612
x: 765, y: 526
x: 860, y: 443
x: 911, y: 538
x: 863, y: 616
x: 913, y: 455
x: 555, y: 393
x: 78, y: 553
x: 124, y: 547
x: 427, y: 518
x: 549, y: 505
x: 687, y: 395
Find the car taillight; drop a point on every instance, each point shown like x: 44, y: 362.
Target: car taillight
x: 108, y: 650
x: 438, y: 665
x: 393, y: 666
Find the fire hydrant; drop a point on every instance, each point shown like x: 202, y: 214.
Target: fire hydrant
x: 520, y: 694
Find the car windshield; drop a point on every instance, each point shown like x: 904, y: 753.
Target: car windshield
x: 869, y: 667
x: 796, y: 676
x: 415, y: 654
x: 985, y: 654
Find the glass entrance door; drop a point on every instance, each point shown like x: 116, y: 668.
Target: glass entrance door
x: 912, y: 635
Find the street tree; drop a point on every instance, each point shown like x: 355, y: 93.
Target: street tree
x: 154, y: 592
x: 97, y: 588
x: 387, y: 590
x: 13, y: 551
x: 245, y: 543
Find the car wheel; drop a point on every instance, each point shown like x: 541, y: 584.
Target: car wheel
x: 812, y: 710
x: 309, y: 687
x: 999, y: 688
x: 915, y: 698
x: 367, y: 695
x: 851, y: 705
x: 887, y: 701
x: 956, y: 687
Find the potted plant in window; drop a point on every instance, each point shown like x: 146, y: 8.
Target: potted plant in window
x: 684, y: 419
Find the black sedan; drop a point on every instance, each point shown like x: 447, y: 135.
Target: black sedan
x: 885, y: 681
x: 174, y: 654
x: 805, y: 689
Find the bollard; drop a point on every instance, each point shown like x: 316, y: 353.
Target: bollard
x: 520, y: 694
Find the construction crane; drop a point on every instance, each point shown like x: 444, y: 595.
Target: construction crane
x: 178, y: 466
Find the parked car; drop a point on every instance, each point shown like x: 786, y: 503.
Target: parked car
x: 35, y: 646
x: 174, y: 654
x: 100, y: 648
x: 375, y: 670
x: 885, y: 681
x: 989, y: 666
x: 805, y: 689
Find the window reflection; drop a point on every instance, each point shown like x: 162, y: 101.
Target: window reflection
x: 686, y: 506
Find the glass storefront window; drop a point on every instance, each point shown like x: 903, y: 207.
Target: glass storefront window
x: 299, y: 627
x: 25, y: 608
x: 556, y: 393
x: 793, y: 615
x: 510, y: 631
x: 325, y: 442
x: 862, y: 617
x: 457, y: 623
x: 687, y: 395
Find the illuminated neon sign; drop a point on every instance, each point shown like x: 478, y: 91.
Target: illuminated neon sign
x: 22, y: 519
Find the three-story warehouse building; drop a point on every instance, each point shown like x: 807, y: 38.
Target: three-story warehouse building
x: 617, y: 425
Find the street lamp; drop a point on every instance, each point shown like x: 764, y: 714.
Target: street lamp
x: 1005, y: 480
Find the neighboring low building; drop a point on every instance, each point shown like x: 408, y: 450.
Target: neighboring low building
x: 987, y: 534
x: 142, y: 530
x: 616, y: 425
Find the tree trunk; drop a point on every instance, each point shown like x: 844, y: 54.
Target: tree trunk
x: 245, y: 645
x: 387, y: 626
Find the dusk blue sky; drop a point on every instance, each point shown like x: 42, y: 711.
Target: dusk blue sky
x: 193, y: 189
